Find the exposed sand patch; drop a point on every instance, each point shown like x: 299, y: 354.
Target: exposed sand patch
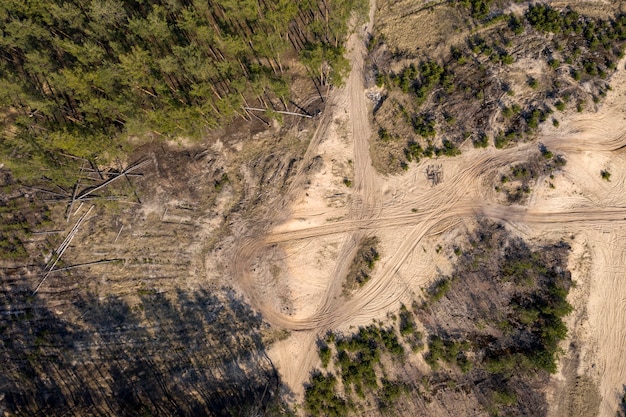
x: 607, y: 315
x: 412, y: 219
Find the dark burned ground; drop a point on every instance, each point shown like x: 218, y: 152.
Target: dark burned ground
x: 492, y: 328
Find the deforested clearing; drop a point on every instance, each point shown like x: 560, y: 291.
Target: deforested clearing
x: 423, y: 218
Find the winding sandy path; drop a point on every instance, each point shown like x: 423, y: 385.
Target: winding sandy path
x: 405, y: 212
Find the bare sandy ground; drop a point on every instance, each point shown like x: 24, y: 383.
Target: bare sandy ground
x: 312, y: 251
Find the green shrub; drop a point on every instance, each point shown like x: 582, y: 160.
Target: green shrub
x: 516, y: 24
x: 500, y: 364
x: 320, y: 396
x: 424, y: 125
x: 544, y: 18
x: 435, y: 351
x: 449, y: 351
x: 559, y: 161
x: 389, y: 393
x: 413, y: 151
x: 560, y: 106
x: 481, y: 141
x: 506, y: 398
x: 464, y: 364
x: 554, y: 63
x: 325, y: 355
x: 380, y: 79
x: 500, y: 140
x: 407, y: 78
x: 479, y: 8
x: 384, y: 135
x: 533, y: 119
x: 440, y: 289
x: 449, y: 149
x: 547, y: 154
x: 391, y: 342
x: 407, y: 324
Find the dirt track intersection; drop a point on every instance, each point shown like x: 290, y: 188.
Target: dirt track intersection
x: 311, y: 252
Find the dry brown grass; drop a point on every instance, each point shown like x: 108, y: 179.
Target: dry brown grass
x: 411, y: 27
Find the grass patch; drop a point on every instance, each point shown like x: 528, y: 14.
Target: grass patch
x: 364, y: 262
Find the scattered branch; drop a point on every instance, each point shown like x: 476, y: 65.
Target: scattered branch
x: 278, y: 111
x: 62, y: 248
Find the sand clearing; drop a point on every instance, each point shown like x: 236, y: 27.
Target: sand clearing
x: 312, y: 251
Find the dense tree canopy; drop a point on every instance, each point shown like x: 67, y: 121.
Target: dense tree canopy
x: 74, y: 74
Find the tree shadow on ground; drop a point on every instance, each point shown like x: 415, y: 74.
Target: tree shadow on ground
x: 193, y: 354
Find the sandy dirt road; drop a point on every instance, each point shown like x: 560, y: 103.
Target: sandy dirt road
x: 320, y: 237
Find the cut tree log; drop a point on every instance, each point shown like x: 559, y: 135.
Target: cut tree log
x: 278, y: 111
x: 62, y: 248
x: 87, y: 192
x: 101, y: 261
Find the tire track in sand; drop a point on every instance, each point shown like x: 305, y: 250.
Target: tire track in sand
x: 463, y: 196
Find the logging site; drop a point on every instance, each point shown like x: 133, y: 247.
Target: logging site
x: 239, y: 208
